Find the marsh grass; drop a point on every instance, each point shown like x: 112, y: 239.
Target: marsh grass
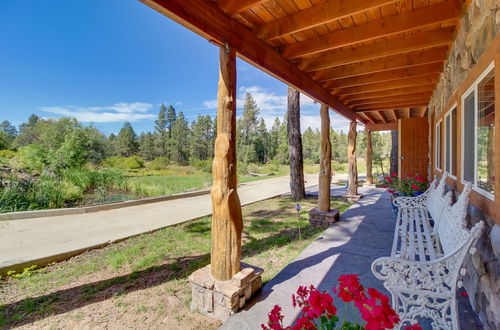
x: 166, y: 257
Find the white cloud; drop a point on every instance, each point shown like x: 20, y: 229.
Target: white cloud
x: 118, y: 112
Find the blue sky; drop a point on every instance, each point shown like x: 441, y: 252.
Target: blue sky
x: 107, y: 61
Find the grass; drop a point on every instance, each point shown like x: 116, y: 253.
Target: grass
x: 161, y: 259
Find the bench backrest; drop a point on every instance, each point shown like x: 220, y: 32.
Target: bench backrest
x: 437, y: 200
x: 452, y: 228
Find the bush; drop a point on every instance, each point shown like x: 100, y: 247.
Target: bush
x: 8, y: 154
x: 32, y: 157
x: 128, y: 163
x: 88, y: 179
x: 202, y: 165
x: 159, y: 163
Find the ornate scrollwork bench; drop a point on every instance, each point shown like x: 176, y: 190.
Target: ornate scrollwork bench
x: 424, y: 271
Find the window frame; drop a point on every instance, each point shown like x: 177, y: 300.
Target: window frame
x: 449, y: 114
x: 474, y: 89
x: 437, y: 156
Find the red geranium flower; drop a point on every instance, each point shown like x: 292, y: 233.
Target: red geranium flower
x: 415, y: 326
x: 384, y: 186
x: 414, y: 187
x: 464, y: 294
x: 274, y: 319
x: 394, y: 174
x: 349, y: 288
x: 320, y: 302
x: 391, y: 191
x: 377, y: 311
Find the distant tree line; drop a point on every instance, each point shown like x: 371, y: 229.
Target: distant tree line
x: 64, y: 142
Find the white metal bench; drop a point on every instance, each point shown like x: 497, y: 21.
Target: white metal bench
x: 416, y: 212
x: 424, y: 282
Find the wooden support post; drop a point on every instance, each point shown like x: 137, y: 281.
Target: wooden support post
x: 351, y: 156
x: 227, y: 220
x: 325, y: 171
x: 369, y: 153
x: 394, y: 151
x: 295, y: 145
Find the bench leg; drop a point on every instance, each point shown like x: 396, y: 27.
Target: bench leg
x: 410, y: 306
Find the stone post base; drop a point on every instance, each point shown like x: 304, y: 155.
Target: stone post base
x: 352, y: 198
x: 321, y: 218
x: 221, y: 299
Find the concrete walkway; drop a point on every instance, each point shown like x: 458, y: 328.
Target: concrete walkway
x: 39, y: 241
x: 349, y: 246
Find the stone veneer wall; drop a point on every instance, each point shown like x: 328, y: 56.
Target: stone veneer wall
x: 477, y: 29
x: 479, y: 26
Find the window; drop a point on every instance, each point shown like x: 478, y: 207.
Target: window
x: 450, y: 142
x: 438, y: 146
x: 479, y: 134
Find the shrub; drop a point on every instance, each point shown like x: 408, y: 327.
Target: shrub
x: 202, y: 165
x: 128, y: 163
x: 32, y: 157
x: 8, y: 154
x: 159, y: 163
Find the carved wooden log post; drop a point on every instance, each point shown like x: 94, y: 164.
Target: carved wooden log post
x: 227, y: 220
x: 351, y: 156
x: 394, y: 152
x: 295, y: 145
x: 369, y: 153
x: 325, y: 172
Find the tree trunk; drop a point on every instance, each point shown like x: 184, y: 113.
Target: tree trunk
x: 351, y: 156
x: 325, y: 172
x: 369, y: 153
x: 394, y: 152
x: 295, y: 146
x: 227, y: 220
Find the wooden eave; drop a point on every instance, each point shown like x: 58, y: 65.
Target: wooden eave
x: 370, y: 60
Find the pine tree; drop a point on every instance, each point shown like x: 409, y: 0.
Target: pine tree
x: 274, y: 139
x: 261, y: 142
x: 202, y: 136
x: 161, y: 128
x: 171, y: 118
x: 8, y: 128
x: 147, y: 146
x: 180, y: 140
x: 127, y: 140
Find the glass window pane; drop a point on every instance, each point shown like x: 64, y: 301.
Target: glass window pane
x: 486, y: 133
x: 454, y: 144
x: 447, y: 157
x: 469, y: 123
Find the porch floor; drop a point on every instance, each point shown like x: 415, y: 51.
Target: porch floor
x: 349, y: 246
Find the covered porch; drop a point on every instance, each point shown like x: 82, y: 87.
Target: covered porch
x: 383, y: 64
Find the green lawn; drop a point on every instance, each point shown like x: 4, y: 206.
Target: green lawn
x: 131, y: 280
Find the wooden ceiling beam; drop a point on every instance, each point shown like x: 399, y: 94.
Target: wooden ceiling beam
x: 417, y: 41
x: 232, y: 7
x: 370, y: 117
x: 411, y: 20
x: 387, y: 99
x: 206, y: 19
x: 382, y: 127
x: 383, y: 116
x: 423, y: 111
x: 406, y: 112
x: 391, y: 92
x: 375, y: 103
x: 387, y: 85
x: 392, y: 106
x: 326, y: 12
x: 408, y: 60
x: 415, y: 71
x: 395, y: 114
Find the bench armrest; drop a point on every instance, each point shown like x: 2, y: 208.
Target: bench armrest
x: 418, y: 201
x: 438, y: 276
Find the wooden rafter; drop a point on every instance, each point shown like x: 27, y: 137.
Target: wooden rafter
x: 381, y: 86
x: 391, y: 92
x: 415, y: 71
x: 391, y: 106
x: 417, y: 41
x: 381, y: 104
x: 370, y: 117
x: 383, y: 116
x: 308, y: 18
x: 388, y: 99
x: 232, y: 7
x: 206, y: 19
x: 395, y: 114
x: 436, y: 55
x: 411, y: 20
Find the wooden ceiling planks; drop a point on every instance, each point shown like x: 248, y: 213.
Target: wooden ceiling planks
x: 372, y: 54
